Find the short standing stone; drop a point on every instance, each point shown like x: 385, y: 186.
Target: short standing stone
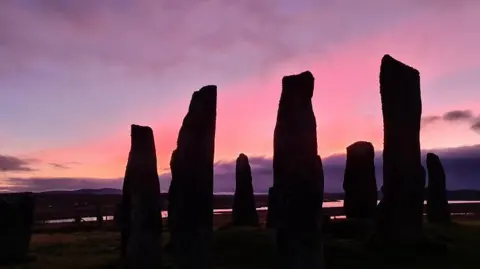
x: 437, y: 201
x: 359, y: 183
x: 244, y: 212
x: 144, y: 242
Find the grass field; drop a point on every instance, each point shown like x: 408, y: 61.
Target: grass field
x: 254, y: 248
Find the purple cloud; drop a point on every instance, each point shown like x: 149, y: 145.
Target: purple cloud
x: 461, y: 167
x: 15, y: 164
x: 458, y: 115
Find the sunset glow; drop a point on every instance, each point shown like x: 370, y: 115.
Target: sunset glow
x: 75, y: 74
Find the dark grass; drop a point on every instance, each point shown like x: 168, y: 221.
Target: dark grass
x: 455, y: 246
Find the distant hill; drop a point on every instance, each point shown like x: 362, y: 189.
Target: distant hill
x: 86, y: 191
x: 468, y: 195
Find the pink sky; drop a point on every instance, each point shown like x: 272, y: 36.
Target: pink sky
x: 75, y: 74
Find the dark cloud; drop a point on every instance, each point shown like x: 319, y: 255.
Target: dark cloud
x: 476, y: 125
x: 15, y: 164
x: 66, y: 165
x: 464, y: 116
x: 458, y: 115
x: 461, y: 167
x: 429, y: 120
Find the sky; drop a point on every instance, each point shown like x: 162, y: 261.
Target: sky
x: 75, y: 74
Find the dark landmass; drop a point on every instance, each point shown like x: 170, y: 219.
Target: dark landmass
x: 65, y: 204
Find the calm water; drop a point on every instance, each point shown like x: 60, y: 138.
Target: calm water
x: 338, y: 203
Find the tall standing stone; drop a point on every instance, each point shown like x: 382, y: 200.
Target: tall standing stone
x: 298, y: 179
x: 401, y: 214
x: 437, y: 201
x: 244, y: 211
x: 191, y: 191
x: 16, y: 223
x: 142, y: 202
x: 359, y: 183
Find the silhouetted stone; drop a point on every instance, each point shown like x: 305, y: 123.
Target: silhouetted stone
x: 403, y: 185
x: 244, y: 211
x: 142, y: 189
x: 298, y: 178
x: 171, y: 189
x: 191, y: 190
x: 359, y: 183
x: 271, y: 213
x: 16, y: 222
x: 437, y: 202
x: 99, y: 215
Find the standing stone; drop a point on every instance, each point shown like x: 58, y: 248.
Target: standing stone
x: 359, y: 183
x: 191, y: 190
x: 298, y: 179
x: 99, y: 215
x: 437, y: 202
x: 142, y: 189
x: 271, y: 213
x: 244, y: 211
x: 16, y: 223
x: 171, y: 190
x: 403, y: 184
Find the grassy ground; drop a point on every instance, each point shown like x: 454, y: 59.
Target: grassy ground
x: 254, y: 248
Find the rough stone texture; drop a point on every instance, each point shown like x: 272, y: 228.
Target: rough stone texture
x: 437, y: 202
x: 298, y: 178
x: 244, y: 211
x: 359, y: 183
x: 142, y: 189
x: 16, y: 222
x: 403, y: 184
x: 191, y: 191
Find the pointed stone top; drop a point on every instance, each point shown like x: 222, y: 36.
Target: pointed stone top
x: 138, y: 130
x: 361, y: 147
x: 432, y: 156
x: 299, y: 84
x: 242, y: 156
x: 207, y: 95
x: 141, y: 137
x: 390, y: 63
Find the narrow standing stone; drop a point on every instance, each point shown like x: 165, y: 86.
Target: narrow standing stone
x: 244, y: 211
x: 142, y: 195
x: 191, y: 190
x: 359, y: 183
x: 298, y: 179
x: 437, y: 201
x: 403, y: 184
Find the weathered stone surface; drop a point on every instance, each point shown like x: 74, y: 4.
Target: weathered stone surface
x: 298, y: 179
x: 359, y: 183
x: 403, y: 184
x: 142, y: 202
x: 16, y: 222
x: 437, y: 201
x: 191, y: 190
x: 244, y: 211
